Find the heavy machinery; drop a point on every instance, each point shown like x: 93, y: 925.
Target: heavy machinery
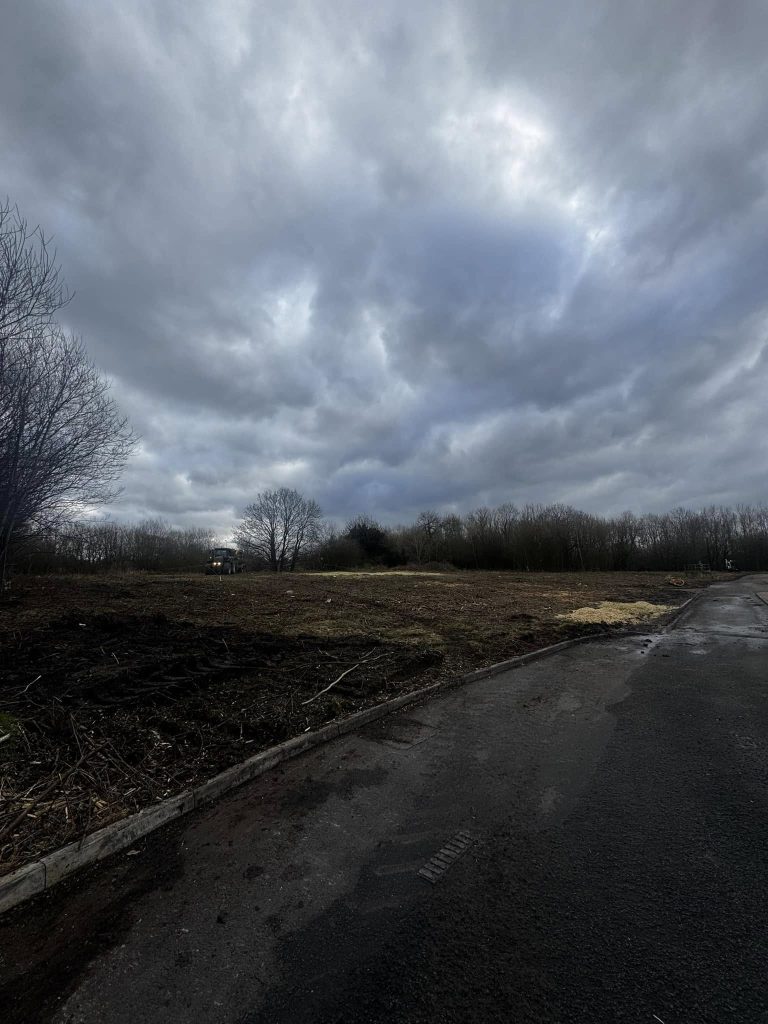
x: 224, y: 562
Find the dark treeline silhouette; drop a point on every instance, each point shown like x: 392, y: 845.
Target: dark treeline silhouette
x: 153, y: 545
x: 534, y: 538
x: 556, y: 538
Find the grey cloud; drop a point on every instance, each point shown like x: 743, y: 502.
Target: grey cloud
x: 408, y: 255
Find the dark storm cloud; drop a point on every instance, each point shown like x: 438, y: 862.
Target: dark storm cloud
x: 416, y: 255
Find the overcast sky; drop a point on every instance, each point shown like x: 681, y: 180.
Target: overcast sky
x: 408, y: 254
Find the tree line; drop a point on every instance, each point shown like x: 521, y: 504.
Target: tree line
x: 151, y: 545
x: 555, y: 538
x: 283, y: 531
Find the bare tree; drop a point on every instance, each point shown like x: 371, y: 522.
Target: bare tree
x: 31, y: 288
x: 428, y: 523
x: 277, y: 526
x: 62, y: 441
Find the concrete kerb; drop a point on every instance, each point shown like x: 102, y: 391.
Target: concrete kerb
x: 682, y: 611
x: 40, y: 875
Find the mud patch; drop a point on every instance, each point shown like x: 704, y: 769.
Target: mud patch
x: 113, y: 712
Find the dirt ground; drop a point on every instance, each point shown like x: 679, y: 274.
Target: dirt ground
x: 117, y: 691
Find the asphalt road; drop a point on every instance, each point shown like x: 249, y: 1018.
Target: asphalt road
x: 602, y: 817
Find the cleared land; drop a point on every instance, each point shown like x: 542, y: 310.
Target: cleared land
x: 116, y: 691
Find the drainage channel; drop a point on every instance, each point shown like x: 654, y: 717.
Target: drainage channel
x: 439, y: 863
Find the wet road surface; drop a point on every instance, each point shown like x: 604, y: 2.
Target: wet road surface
x: 582, y: 839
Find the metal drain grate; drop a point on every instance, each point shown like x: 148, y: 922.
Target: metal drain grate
x: 439, y: 863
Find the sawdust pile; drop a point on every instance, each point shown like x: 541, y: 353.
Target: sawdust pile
x: 617, y: 611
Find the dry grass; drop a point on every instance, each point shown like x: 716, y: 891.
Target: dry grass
x: 472, y: 617
x: 618, y: 612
